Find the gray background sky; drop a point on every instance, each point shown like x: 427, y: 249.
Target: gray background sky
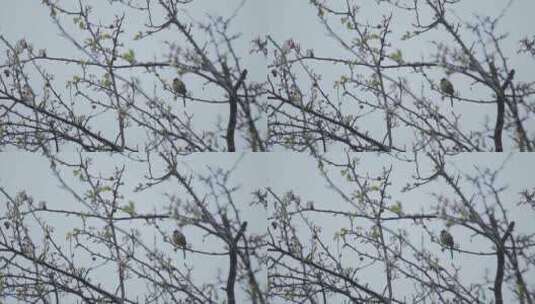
x: 296, y: 172
x: 282, y: 19
x: 30, y: 173
x: 284, y: 172
x: 294, y: 19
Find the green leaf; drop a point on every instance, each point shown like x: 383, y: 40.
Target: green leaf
x: 396, y: 208
x: 129, y: 56
x: 138, y: 35
x: 130, y: 209
x: 397, y: 56
x: 106, y: 82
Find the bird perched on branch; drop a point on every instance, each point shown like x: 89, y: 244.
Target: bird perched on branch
x: 447, y: 88
x: 27, y: 246
x: 27, y: 93
x: 179, y: 88
x: 447, y: 240
x: 179, y: 240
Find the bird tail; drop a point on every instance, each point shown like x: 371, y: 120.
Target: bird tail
x: 451, y: 252
x: 184, y: 252
x: 451, y: 100
x: 184, y: 100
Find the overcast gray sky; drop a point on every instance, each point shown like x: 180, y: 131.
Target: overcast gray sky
x: 297, y: 21
x: 298, y: 173
x: 284, y: 172
x: 29, y: 172
x: 282, y: 19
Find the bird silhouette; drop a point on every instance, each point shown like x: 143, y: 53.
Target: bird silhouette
x: 27, y: 246
x: 179, y: 88
x: 179, y: 240
x: 447, y: 88
x: 447, y: 240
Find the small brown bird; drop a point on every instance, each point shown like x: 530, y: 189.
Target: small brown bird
x: 447, y: 240
x: 179, y: 240
x: 180, y: 89
x: 294, y: 95
x: 27, y: 246
x: 447, y: 88
x: 27, y: 93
